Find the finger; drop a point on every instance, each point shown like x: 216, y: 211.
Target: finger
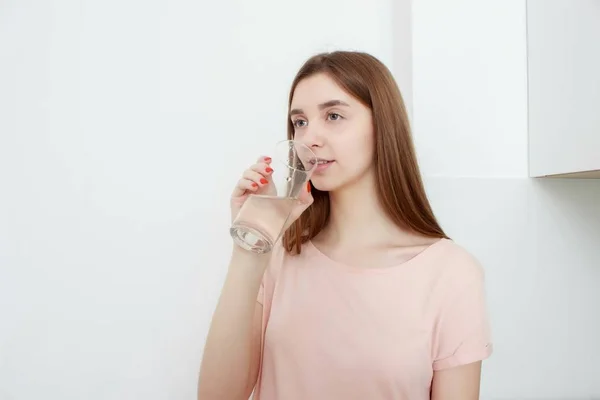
x: 262, y: 168
x: 243, y: 186
x: 256, y: 177
x: 264, y: 159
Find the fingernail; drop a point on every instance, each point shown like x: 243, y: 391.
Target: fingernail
x: 269, y: 170
x: 254, y: 184
x: 263, y: 181
x: 267, y: 159
x: 308, y: 187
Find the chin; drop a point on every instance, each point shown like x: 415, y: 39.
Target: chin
x: 326, y: 183
x: 330, y: 181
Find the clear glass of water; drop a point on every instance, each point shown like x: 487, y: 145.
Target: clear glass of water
x: 263, y: 216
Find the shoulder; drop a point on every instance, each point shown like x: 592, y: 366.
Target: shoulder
x: 456, y: 256
x: 280, y: 258
x: 456, y: 266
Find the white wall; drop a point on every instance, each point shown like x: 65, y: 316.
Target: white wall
x: 538, y: 239
x: 123, y: 126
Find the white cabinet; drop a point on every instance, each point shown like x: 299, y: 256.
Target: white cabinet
x: 563, y: 48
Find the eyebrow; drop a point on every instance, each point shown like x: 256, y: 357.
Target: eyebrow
x: 327, y: 104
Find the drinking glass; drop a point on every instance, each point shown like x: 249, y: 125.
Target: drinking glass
x: 263, y: 216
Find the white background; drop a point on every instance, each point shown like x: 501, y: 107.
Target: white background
x: 124, y: 125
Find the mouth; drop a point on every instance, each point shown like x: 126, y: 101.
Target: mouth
x: 321, y: 161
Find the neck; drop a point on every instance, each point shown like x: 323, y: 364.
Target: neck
x: 357, y: 217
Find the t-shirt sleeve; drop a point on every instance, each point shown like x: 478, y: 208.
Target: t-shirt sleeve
x: 463, y: 333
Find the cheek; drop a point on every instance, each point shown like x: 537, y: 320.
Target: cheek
x: 364, y: 156
x: 358, y: 149
x: 364, y: 142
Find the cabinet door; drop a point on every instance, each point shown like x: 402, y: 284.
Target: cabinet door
x: 563, y: 40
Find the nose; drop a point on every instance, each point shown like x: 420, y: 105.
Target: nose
x: 312, y: 136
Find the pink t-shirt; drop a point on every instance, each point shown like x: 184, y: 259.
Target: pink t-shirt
x: 331, y: 331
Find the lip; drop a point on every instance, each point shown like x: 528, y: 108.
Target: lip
x: 322, y: 167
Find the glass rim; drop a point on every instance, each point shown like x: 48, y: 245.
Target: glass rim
x: 296, y: 142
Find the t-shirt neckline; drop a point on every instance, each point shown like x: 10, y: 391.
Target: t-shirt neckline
x: 378, y: 270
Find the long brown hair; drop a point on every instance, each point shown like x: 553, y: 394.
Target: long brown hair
x: 399, y: 185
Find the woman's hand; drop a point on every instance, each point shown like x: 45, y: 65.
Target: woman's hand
x: 257, y: 180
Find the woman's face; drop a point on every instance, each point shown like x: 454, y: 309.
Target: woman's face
x: 337, y: 128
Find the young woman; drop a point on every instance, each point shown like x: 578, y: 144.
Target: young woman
x: 365, y: 297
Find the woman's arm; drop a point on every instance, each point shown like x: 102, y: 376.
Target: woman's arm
x: 231, y: 356
x: 458, y: 383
